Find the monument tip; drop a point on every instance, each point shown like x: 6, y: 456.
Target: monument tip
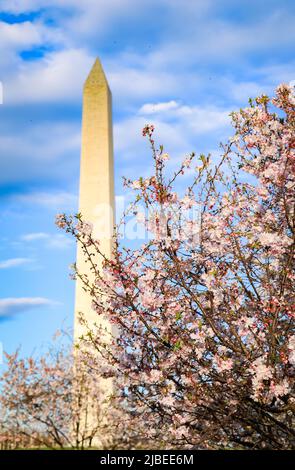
x: 96, y: 75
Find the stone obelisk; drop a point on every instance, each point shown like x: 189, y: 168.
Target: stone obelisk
x: 96, y: 200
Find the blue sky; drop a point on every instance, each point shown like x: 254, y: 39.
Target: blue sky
x: 180, y: 64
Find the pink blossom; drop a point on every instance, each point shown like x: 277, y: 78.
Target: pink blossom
x: 155, y: 375
x: 222, y: 364
x: 136, y: 185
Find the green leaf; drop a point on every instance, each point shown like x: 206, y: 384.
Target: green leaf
x: 178, y: 316
x: 177, y: 345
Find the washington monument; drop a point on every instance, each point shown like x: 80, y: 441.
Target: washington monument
x: 96, y: 200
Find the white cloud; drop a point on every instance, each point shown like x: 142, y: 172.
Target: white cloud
x: 182, y: 129
x: 129, y: 140
x: 22, y: 6
x: 88, y: 20
x: 200, y: 119
x: 88, y: 7
x: 58, y: 76
x: 60, y: 242
x: 51, y: 240
x: 37, y: 151
x: 176, y: 127
x: 130, y: 83
x: 14, y: 262
x: 207, y: 119
x: 176, y: 65
x: 58, y: 200
x: 241, y: 91
x: 24, y: 36
x: 277, y: 73
x: 215, y: 39
x: 11, y: 306
x: 154, y: 108
x: 34, y: 236
x: 19, y: 35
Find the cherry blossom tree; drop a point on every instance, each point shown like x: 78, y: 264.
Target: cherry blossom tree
x: 58, y: 401
x: 52, y: 401
x: 205, y: 306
